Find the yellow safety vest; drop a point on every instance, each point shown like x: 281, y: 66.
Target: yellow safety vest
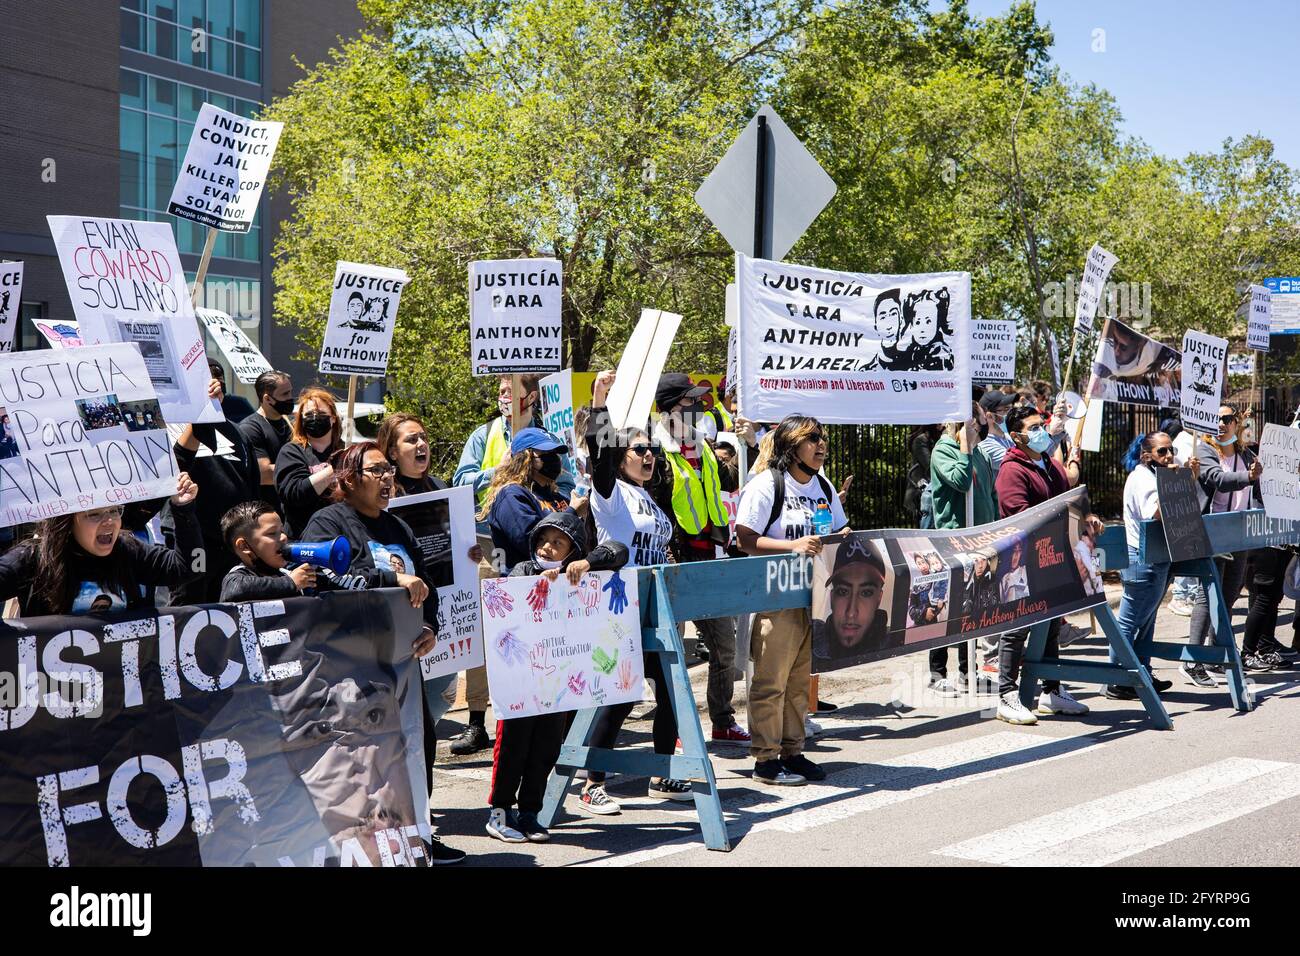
x: 697, y: 502
x: 496, y: 450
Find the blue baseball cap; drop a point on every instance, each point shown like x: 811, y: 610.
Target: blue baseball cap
x: 536, y: 438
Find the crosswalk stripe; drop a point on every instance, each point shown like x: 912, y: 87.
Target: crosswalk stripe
x: 888, y: 782
x: 1103, y: 831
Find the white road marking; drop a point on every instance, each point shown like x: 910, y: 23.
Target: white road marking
x: 1132, y: 821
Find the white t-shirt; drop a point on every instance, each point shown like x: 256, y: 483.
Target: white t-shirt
x: 1140, y: 502
x: 630, y: 516
x: 795, y: 520
x: 1088, y: 558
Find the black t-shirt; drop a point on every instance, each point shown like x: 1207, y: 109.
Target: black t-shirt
x: 294, y: 467
x: 265, y: 439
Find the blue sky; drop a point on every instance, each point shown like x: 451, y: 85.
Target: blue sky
x: 1186, y: 74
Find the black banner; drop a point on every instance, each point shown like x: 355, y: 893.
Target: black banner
x: 877, y: 591
x: 266, y: 733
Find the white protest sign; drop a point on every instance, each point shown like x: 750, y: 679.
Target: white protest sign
x: 1279, y: 479
x: 1091, y: 440
x: 443, y: 524
x: 363, y: 314
x: 89, y: 431
x: 850, y: 348
x: 639, y: 368
x: 1259, y: 322
x: 127, y: 285
x: 993, y: 351
x: 224, y: 170
x: 557, y: 406
x: 515, y: 315
x: 1096, y: 270
x: 554, y: 647
x: 1204, y: 358
x: 11, y: 294
x: 244, y: 357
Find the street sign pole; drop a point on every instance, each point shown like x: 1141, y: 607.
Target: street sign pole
x: 760, y: 188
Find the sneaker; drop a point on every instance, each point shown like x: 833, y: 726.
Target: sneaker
x: 669, y: 789
x: 1197, y: 674
x: 773, y: 772
x: 1012, y: 711
x: 1060, y: 701
x: 945, y: 688
x: 439, y: 854
x: 1160, y: 685
x: 811, y: 728
x: 1181, y: 607
x: 802, y: 767
x: 527, y: 824
x: 1264, y: 661
x: 1121, y: 692
x: 1275, y: 658
x: 473, y: 739
x: 826, y: 707
x: 596, y: 801
x: 734, y: 734
x: 985, y: 685
x: 501, y: 826
x: 989, y: 669
x: 1070, y: 633
x: 701, y: 652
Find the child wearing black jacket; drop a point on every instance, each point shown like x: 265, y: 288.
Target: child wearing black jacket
x: 527, y: 747
x: 254, y: 533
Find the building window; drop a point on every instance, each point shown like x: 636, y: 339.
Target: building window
x: 231, y: 33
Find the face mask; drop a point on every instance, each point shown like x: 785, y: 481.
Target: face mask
x: 1225, y: 442
x: 317, y: 426
x: 505, y: 409
x: 551, y: 465
x: 1039, y: 440
x: 548, y: 565
x: 285, y: 407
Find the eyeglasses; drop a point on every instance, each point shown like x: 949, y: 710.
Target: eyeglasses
x: 379, y: 471
x: 105, y: 515
x: 641, y: 450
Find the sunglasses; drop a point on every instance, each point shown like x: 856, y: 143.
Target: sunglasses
x: 1227, y: 419
x: 1162, y: 452
x: 817, y: 438
x: 641, y: 450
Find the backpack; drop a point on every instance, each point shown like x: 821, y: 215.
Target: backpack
x: 778, y: 495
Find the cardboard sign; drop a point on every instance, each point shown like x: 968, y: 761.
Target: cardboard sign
x: 1279, y: 481
x: 11, y: 295
x: 89, y: 431
x: 1204, y: 360
x: 993, y: 351
x: 1180, y: 514
x: 515, y: 320
x: 639, y: 368
x: 1096, y: 270
x: 557, y: 406
x: 1260, y: 320
x: 127, y: 285
x: 245, y: 359
x: 225, y: 168
x: 363, y: 314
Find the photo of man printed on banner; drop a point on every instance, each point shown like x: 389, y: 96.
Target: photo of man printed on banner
x: 1013, y: 573
x: 979, y: 581
x: 366, y: 315
x: 914, y: 330
x: 96, y: 413
x: 927, y: 601
x: 1126, y: 357
x: 8, y: 444
x: 142, y: 416
x: 850, y: 610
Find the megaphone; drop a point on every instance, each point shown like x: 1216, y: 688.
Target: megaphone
x: 335, y: 555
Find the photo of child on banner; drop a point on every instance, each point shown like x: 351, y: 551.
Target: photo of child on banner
x: 874, y: 591
x: 1132, y: 369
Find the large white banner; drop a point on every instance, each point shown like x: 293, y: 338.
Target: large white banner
x: 514, y: 315
x: 89, y: 433
x: 555, y: 647
x: 245, y: 359
x: 363, y: 314
x: 851, y: 348
x: 443, y: 523
x: 224, y: 170
x: 1259, y: 322
x: 1204, y: 360
x: 11, y: 294
x: 1096, y: 270
x: 993, y: 351
x: 1279, y: 481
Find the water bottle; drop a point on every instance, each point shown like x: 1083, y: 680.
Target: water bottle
x: 821, y: 519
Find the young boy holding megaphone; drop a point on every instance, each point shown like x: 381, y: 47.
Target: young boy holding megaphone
x: 254, y: 532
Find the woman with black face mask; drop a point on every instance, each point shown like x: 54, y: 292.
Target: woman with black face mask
x: 303, y: 475
x: 522, y: 491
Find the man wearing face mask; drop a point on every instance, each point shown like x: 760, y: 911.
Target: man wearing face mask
x: 689, y: 489
x: 267, y: 430
x: 995, y: 442
x: 1029, y: 476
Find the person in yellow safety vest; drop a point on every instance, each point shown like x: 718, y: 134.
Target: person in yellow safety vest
x: 701, y: 526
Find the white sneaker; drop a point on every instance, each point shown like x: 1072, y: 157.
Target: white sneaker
x: 1060, y: 703
x: 498, y: 825
x: 1012, y: 711
x: 1181, y: 607
x: 944, y: 687
x: 811, y: 728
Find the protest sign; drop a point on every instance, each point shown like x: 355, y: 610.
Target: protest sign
x: 61, y: 335
x: 993, y: 351
x: 515, y: 315
x: 1279, y: 480
x: 1092, y: 422
x: 1180, y: 514
x: 876, y: 591
x: 443, y: 524
x: 1132, y: 369
x: 1260, y: 320
x: 557, y: 406
x: 1096, y: 270
x: 639, y: 368
x: 267, y: 733
x: 11, y: 295
x: 127, y: 285
x: 1205, y: 357
x: 1055, y: 352
x: 554, y: 647
x: 246, y: 360
x: 225, y: 168
x: 850, y: 348
x: 363, y: 314
x: 89, y: 432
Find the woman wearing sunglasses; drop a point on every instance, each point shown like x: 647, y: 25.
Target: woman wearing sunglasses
x: 1144, y: 584
x: 82, y: 563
